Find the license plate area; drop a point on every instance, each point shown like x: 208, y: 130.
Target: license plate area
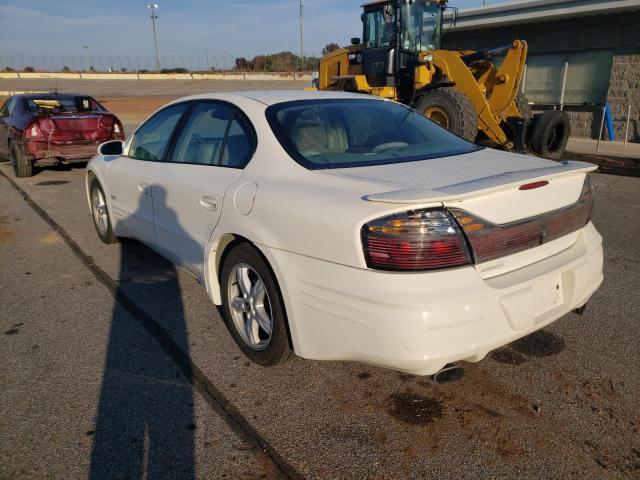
x: 547, y: 295
x: 529, y: 305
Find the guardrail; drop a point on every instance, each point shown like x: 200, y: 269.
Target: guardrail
x: 239, y: 76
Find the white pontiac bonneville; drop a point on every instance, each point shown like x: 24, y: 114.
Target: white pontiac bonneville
x: 344, y: 227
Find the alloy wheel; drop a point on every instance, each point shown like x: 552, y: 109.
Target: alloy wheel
x: 99, y: 208
x: 250, y: 307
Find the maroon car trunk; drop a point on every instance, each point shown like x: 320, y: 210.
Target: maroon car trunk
x: 71, y: 135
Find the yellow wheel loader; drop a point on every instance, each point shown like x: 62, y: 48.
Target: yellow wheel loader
x: 400, y: 58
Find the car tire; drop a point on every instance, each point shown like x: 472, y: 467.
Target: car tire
x: 253, y: 308
x: 100, y: 213
x: 22, y: 166
x: 550, y: 134
x: 451, y: 109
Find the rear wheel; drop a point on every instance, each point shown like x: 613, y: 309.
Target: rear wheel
x: 100, y: 213
x: 550, y: 134
x: 253, y: 309
x: 22, y: 166
x: 451, y: 109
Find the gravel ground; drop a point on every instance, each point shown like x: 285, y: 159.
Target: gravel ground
x: 115, y: 365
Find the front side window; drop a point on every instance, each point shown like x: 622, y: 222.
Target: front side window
x: 350, y: 133
x: 151, y: 140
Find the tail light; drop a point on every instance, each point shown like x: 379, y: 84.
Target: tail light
x: 110, y: 127
x: 416, y: 240
x: 489, y: 241
x: 33, y: 131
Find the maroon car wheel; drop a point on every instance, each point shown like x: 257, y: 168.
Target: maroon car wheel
x: 22, y: 167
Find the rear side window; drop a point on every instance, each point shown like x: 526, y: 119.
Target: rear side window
x: 202, y: 138
x: 215, y: 134
x: 8, y: 107
x: 239, y: 145
x: 151, y: 140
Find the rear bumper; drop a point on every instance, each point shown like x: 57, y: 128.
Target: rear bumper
x: 73, y: 151
x: 420, y: 322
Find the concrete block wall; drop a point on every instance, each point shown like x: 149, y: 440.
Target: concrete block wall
x: 618, y: 32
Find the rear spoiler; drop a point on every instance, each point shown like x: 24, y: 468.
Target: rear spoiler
x: 494, y: 183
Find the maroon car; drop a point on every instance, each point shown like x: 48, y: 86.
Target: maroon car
x: 50, y: 128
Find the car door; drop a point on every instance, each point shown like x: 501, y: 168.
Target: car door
x: 189, y: 189
x: 5, y: 121
x: 130, y: 176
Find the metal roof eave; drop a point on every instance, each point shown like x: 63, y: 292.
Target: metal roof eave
x: 535, y: 11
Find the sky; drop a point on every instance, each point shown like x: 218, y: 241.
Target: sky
x: 123, y: 27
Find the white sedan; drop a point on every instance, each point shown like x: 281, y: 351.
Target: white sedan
x: 345, y: 227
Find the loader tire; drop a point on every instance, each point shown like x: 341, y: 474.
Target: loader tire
x: 451, y: 109
x: 550, y: 134
x: 522, y: 103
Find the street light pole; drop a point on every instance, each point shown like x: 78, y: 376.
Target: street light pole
x: 86, y: 58
x: 301, y: 36
x: 153, y: 7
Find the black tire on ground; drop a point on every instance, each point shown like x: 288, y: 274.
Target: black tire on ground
x: 550, y: 134
x: 105, y: 234
x: 451, y: 109
x: 523, y: 106
x: 278, y: 349
x: 22, y: 166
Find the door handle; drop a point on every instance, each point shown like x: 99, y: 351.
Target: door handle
x: 209, y: 203
x: 143, y: 188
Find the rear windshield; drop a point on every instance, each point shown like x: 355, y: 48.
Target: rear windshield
x: 57, y: 104
x: 341, y: 133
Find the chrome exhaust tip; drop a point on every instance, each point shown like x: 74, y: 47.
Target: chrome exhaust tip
x: 449, y: 374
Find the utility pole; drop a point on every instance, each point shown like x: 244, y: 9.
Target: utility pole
x: 86, y: 58
x: 301, y: 37
x: 153, y: 7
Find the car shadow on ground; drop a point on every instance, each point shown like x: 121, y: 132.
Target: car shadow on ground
x: 145, y: 424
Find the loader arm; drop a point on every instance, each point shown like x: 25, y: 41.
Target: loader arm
x: 450, y: 64
x: 507, y: 81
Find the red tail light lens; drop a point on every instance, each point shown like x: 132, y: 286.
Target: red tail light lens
x: 489, y: 241
x: 118, y: 131
x: 33, y: 131
x: 417, y: 240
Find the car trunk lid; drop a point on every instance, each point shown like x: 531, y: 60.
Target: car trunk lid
x: 530, y: 196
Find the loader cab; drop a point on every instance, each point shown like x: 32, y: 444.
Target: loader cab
x: 395, y: 32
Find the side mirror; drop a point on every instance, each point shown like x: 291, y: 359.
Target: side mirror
x: 114, y: 147
x: 355, y: 40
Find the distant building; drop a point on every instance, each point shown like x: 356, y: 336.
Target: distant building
x: 592, y: 47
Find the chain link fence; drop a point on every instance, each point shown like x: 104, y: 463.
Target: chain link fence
x: 206, y: 62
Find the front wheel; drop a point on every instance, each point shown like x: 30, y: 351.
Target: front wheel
x: 100, y: 213
x: 253, y: 309
x: 451, y: 109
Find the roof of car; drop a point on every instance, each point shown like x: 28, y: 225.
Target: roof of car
x: 271, y: 97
